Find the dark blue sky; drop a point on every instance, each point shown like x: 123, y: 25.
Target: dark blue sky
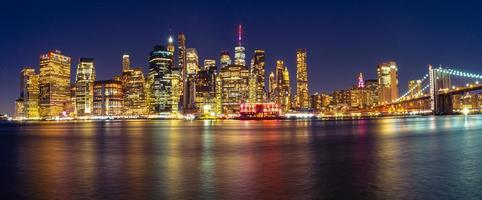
x: 343, y: 37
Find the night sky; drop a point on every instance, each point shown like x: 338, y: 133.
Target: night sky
x: 343, y: 38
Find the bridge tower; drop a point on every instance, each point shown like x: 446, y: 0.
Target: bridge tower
x: 441, y: 103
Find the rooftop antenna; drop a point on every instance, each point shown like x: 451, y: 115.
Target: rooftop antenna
x: 240, y: 31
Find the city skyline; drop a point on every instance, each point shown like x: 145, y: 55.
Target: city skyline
x: 344, y: 56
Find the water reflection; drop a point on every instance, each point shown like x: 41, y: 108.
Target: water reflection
x: 425, y: 158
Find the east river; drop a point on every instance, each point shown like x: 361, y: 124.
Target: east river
x: 389, y: 158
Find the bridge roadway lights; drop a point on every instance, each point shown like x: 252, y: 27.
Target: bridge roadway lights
x: 443, y: 104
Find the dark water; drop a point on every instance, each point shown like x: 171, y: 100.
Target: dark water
x: 416, y: 158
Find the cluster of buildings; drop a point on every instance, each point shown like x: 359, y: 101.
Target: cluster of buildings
x: 365, y: 94
x: 176, y: 84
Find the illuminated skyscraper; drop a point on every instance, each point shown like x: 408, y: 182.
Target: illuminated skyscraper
x: 108, y: 98
x: 134, y: 96
x: 84, y: 87
x: 181, y: 42
x: 192, y: 68
x: 239, y: 55
x: 302, y: 97
x: 159, y: 80
x: 28, y: 103
x: 126, y: 62
x: 415, y: 88
x: 361, y: 82
x: 206, y: 87
x: 388, y: 82
x: 234, y: 83
x: 372, y: 85
x: 282, y: 88
x: 176, y: 80
x: 271, y: 87
x: 218, y: 104
x: 54, y: 84
x: 225, y: 59
x: 259, y: 73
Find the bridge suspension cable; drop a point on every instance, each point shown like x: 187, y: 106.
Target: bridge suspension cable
x: 460, y: 73
x: 412, y: 89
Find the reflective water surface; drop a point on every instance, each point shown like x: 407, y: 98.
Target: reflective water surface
x: 412, y: 158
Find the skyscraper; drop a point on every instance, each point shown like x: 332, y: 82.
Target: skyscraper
x: 134, y: 96
x: 28, y: 102
x: 206, y: 87
x: 192, y: 68
x: 159, y: 80
x: 225, y: 59
x: 234, y: 83
x: 302, y: 97
x: 181, y: 42
x: 271, y: 87
x: 84, y: 87
x: 175, y: 78
x: 282, y: 88
x: 259, y: 73
x: 239, y: 55
x: 372, y: 85
x: 108, y: 98
x: 126, y: 62
x: 388, y: 82
x: 361, y: 82
x: 54, y: 84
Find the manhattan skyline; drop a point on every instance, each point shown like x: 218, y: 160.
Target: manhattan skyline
x: 347, y: 39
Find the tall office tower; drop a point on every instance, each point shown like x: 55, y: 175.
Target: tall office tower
x: 159, y: 80
x: 252, y: 83
x: 361, y: 82
x: 302, y: 97
x: 372, y: 85
x: 181, y: 42
x: 84, y: 87
x: 28, y: 101
x: 415, y: 88
x: 54, y: 83
x: 126, y: 62
x: 225, y: 59
x: 282, y: 89
x: 218, y: 104
x: 388, y: 82
x: 271, y: 87
x: 239, y: 55
x: 259, y: 72
x: 210, y: 64
x: 108, y: 98
x: 234, y: 83
x: 134, y: 92
x: 192, y: 68
x: 286, y: 91
x: 205, y: 88
x: 176, y: 79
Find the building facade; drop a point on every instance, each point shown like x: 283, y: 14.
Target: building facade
x: 108, y: 98
x: 234, y: 83
x: 302, y: 96
x: 388, y: 82
x: 159, y: 81
x: 54, y: 84
x: 84, y: 87
x: 27, y: 105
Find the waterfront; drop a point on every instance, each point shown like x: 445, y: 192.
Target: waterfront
x: 390, y: 158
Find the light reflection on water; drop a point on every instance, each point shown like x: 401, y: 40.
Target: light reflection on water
x: 391, y: 158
